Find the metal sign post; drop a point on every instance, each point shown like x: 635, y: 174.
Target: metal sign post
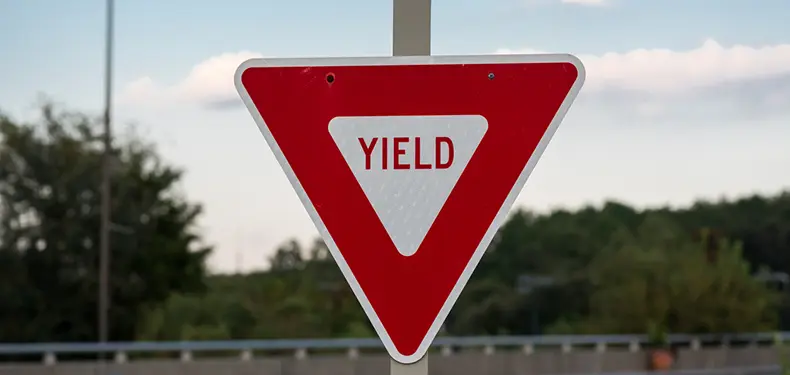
x: 411, y: 27
x: 417, y: 368
x: 411, y: 36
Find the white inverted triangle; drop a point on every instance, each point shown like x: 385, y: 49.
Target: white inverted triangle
x: 407, y: 201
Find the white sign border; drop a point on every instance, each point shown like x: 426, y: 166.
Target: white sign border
x: 498, y: 219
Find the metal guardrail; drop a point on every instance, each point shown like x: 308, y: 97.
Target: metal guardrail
x: 567, y: 342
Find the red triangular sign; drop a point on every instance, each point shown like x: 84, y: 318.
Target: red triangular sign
x: 408, y: 165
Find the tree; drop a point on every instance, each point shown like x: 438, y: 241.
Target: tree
x: 49, y: 226
x: 287, y: 257
x: 298, y: 297
x: 658, y: 276
x: 207, y: 318
x: 485, y: 309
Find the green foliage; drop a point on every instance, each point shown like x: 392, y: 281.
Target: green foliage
x: 49, y: 226
x: 616, y: 270
x: 657, y: 334
x: 673, y: 284
x: 303, y: 295
x: 782, y: 352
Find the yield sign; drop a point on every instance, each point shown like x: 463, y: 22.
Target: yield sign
x: 408, y: 165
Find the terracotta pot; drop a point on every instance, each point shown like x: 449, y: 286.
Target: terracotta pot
x: 661, y: 359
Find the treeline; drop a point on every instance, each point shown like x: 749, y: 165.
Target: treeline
x: 609, y: 269
x: 712, y: 267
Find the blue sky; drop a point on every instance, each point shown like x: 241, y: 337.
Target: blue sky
x: 674, y: 88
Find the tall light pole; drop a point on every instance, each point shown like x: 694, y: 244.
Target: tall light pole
x: 106, y: 170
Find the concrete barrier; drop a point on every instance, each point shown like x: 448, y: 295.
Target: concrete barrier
x: 514, y: 362
x: 711, y: 358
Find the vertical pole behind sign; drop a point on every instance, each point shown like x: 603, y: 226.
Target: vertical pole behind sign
x: 411, y: 36
x: 417, y: 368
x: 411, y: 27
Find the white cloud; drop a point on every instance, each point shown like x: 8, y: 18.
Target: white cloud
x: 666, y: 71
x: 642, y: 74
x: 209, y: 83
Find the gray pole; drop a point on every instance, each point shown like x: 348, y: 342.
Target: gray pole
x: 411, y: 27
x: 104, y: 235
x: 411, y: 36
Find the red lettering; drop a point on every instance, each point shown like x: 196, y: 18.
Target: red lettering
x: 368, y: 150
x: 417, y: 162
x: 384, y: 153
x: 450, y: 152
x: 398, y: 151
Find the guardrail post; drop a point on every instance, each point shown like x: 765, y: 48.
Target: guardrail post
x: 529, y: 349
x: 634, y: 346
x: 301, y: 353
x: 120, y: 357
x: 695, y: 344
x: 186, y: 356
x: 488, y: 350
x: 447, y: 350
x: 566, y: 347
x: 50, y: 359
x: 246, y: 355
x: 353, y: 353
x: 600, y: 347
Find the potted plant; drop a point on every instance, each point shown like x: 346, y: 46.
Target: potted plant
x: 660, y: 354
